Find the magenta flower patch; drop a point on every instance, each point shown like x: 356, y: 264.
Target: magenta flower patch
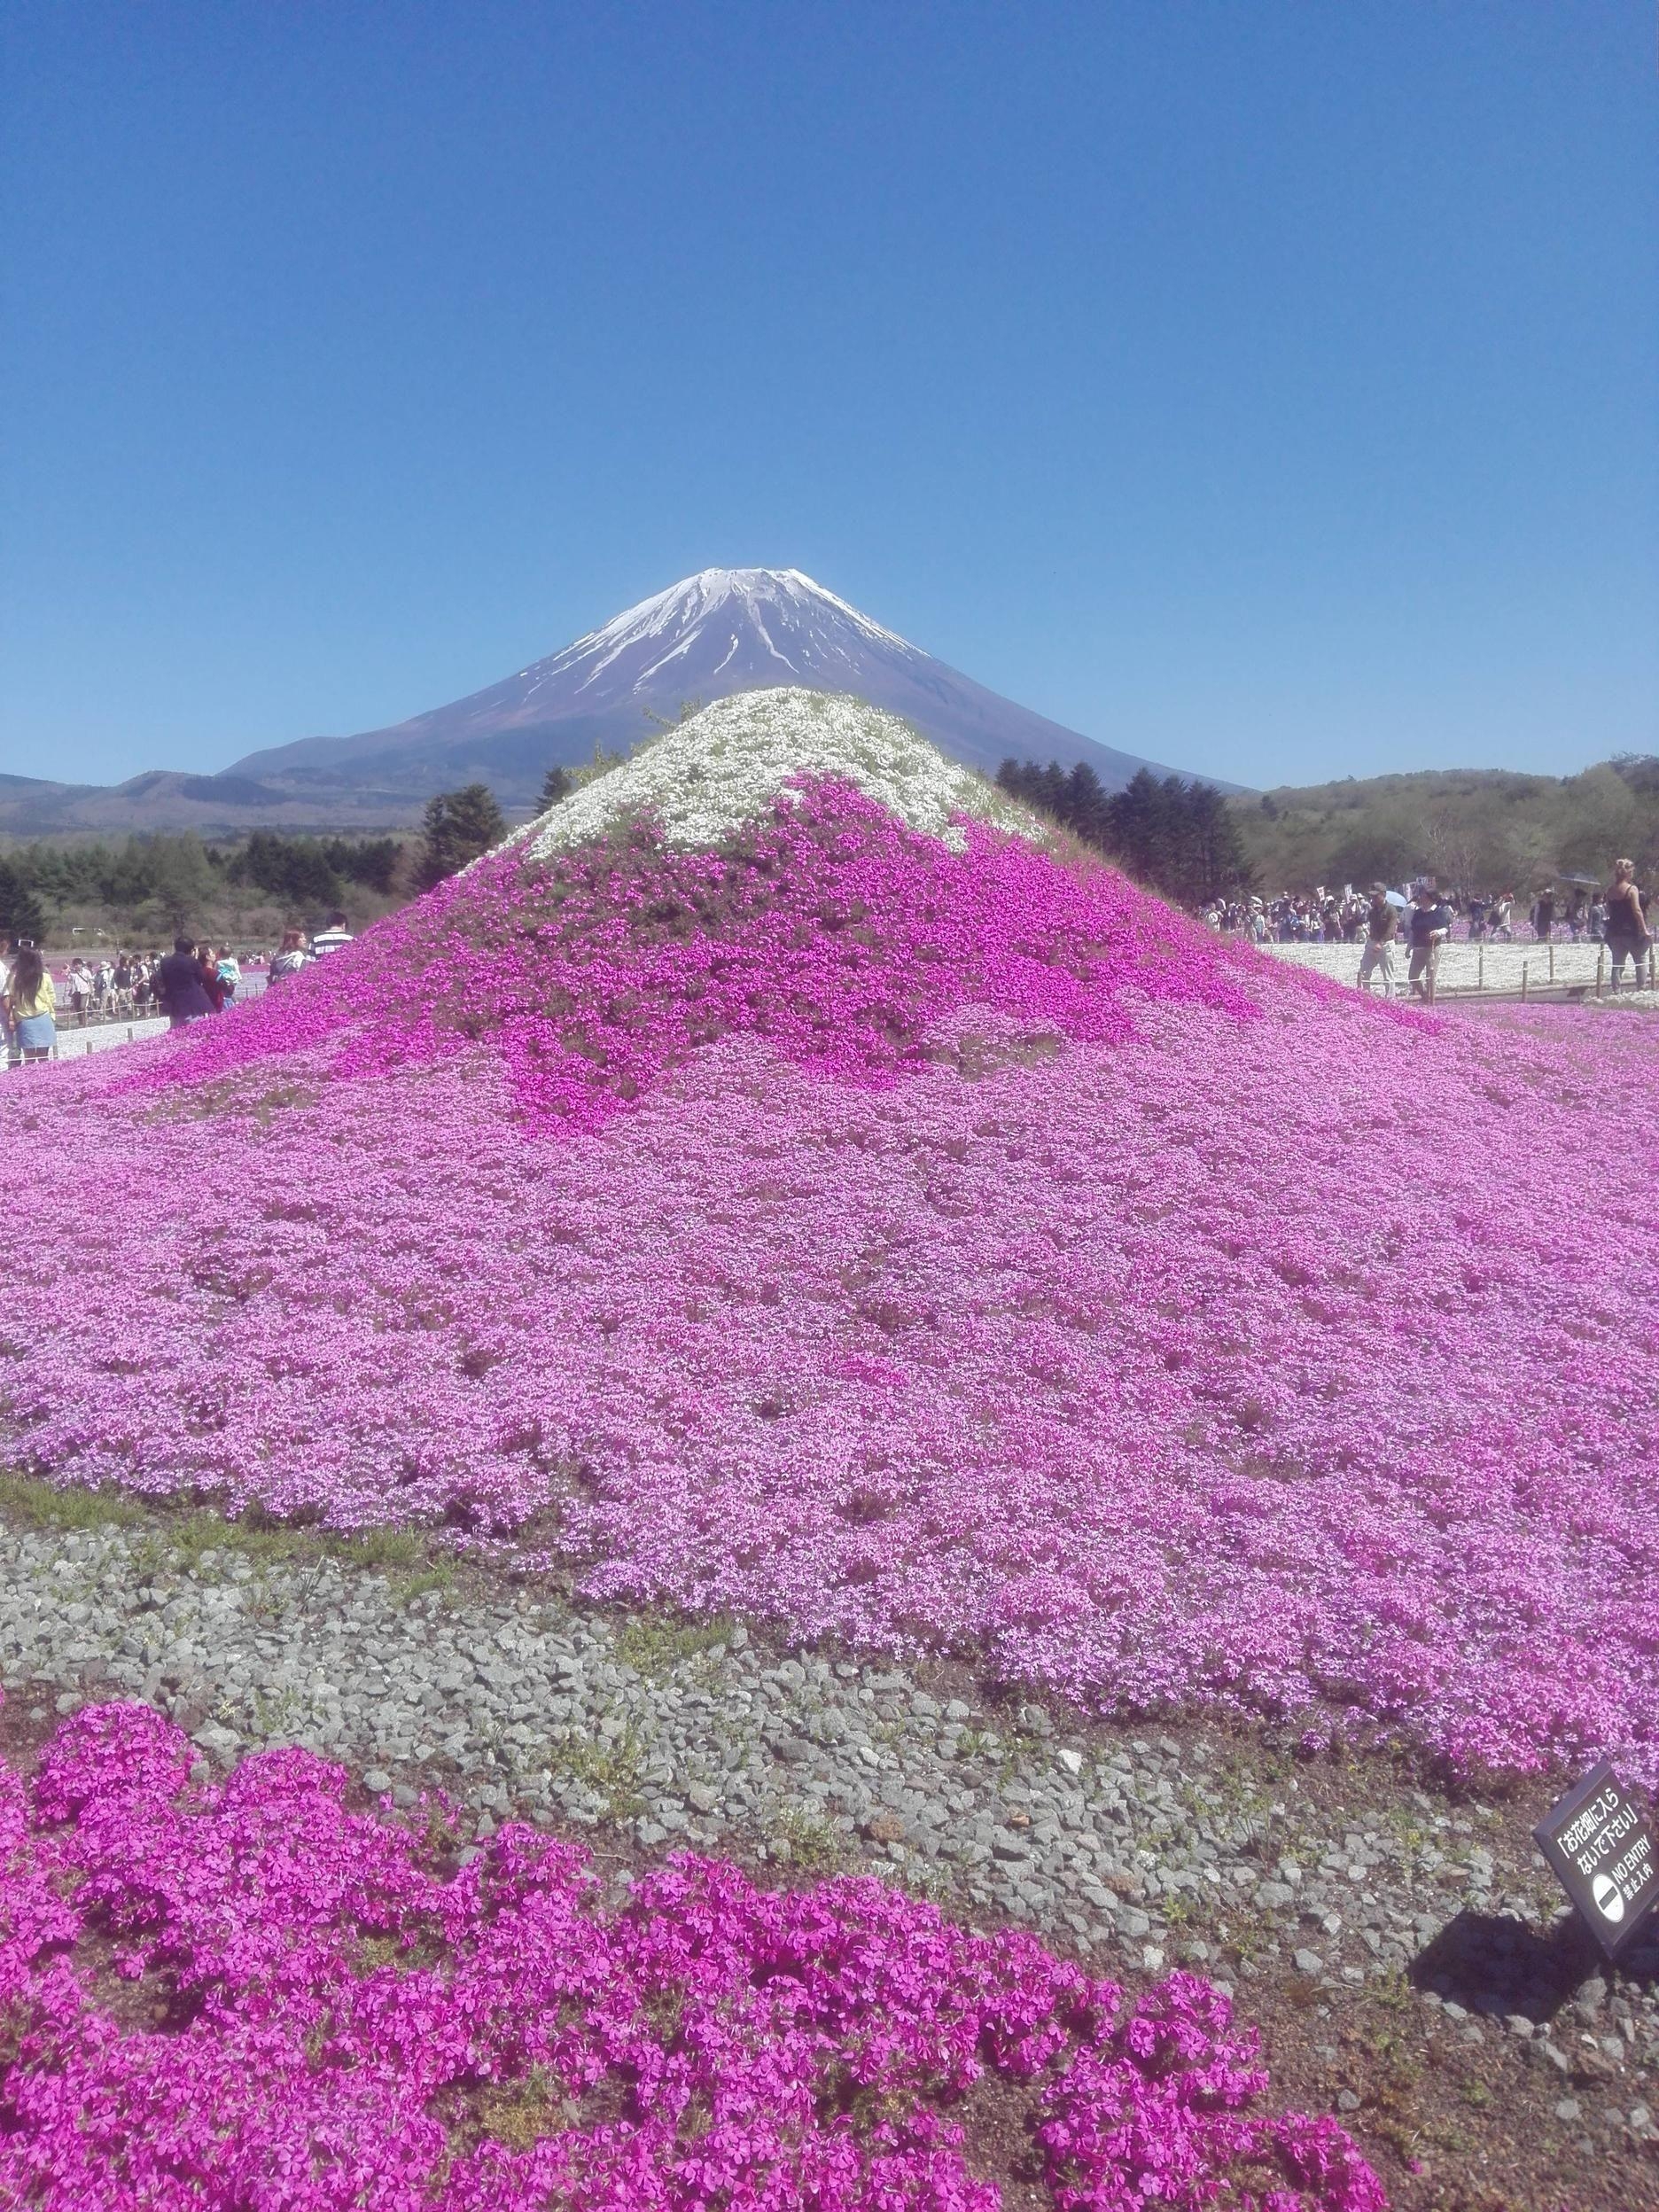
x: 316, y: 2009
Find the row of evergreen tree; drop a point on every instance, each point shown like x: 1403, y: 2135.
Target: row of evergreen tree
x: 159, y: 881
x: 1181, y: 837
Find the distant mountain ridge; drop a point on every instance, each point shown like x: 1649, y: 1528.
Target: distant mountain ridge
x: 722, y: 631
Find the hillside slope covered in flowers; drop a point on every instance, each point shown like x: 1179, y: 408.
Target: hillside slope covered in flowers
x: 921, y: 1240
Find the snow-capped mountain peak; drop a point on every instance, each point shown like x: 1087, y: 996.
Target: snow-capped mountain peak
x: 757, y: 616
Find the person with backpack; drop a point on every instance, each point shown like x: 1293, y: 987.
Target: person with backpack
x: 1628, y: 936
x: 289, y: 958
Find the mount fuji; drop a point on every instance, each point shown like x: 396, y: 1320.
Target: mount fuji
x: 722, y: 631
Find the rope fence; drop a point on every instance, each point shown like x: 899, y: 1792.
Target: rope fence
x: 1487, y: 970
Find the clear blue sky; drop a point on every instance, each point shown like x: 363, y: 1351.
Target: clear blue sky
x: 1270, y: 388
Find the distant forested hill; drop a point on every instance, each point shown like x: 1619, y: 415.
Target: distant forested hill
x: 1477, y: 829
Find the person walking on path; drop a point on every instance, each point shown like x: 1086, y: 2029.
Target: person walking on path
x: 179, y: 992
x: 1430, y: 926
x: 1628, y: 937
x: 1381, y: 931
x: 1544, y: 916
x: 31, y: 1005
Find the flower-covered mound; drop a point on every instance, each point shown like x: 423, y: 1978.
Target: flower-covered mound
x: 707, y: 778
x: 245, y: 1994
x: 935, y: 1250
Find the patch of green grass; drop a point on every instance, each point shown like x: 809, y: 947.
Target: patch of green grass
x: 518, y: 2115
x: 655, y: 1644
x: 373, y: 1951
x: 275, y: 1715
x: 1393, y: 1992
x: 386, y: 1550
x: 919, y: 1878
x: 439, y: 1576
x: 814, y: 1845
x: 609, y: 1766
x: 28, y: 1502
x: 165, y: 1539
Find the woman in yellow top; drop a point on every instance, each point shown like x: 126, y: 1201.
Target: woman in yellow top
x: 31, y: 1006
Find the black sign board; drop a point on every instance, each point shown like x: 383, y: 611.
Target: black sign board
x: 1602, y: 1846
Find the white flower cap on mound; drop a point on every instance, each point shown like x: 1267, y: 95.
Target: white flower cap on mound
x: 706, y: 778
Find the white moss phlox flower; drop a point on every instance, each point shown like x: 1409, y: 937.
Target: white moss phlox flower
x: 706, y: 778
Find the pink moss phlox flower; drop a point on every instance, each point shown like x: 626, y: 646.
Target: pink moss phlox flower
x: 324, y: 2010
x: 935, y: 1252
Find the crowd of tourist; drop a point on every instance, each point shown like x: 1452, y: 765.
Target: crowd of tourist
x: 1426, y: 917
x: 1324, y: 917
x: 184, y: 985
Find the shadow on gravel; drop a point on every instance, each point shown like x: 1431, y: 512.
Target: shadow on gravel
x: 1489, y: 1963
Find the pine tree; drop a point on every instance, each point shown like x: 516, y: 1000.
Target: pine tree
x: 458, y: 827
x: 1138, y: 829
x: 20, y: 914
x: 1182, y: 838
x: 1224, y: 867
x: 1085, y: 812
x: 557, y: 783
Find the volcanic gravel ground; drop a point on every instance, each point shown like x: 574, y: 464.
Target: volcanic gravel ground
x: 1405, y: 1952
